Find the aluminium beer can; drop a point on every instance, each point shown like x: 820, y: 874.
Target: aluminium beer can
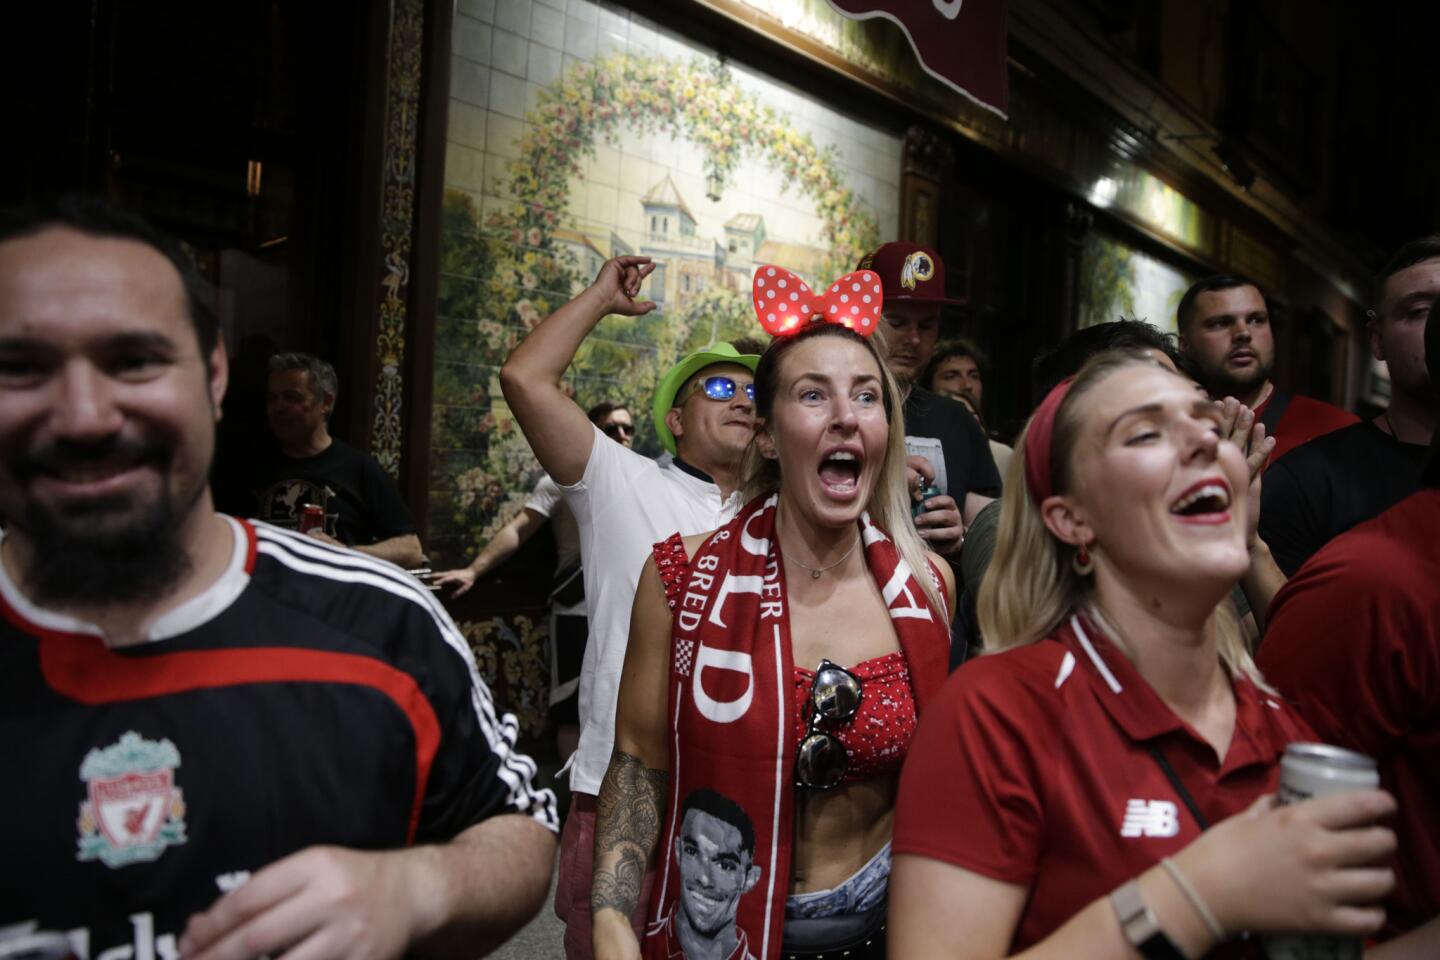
x: 312, y: 517
x: 927, y: 490
x: 1318, y: 770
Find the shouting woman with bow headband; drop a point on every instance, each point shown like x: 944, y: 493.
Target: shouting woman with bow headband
x: 796, y: 646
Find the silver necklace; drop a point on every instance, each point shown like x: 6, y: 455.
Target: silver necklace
x: 816, y: 571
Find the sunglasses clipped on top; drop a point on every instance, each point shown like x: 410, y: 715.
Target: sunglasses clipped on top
x: 821, y: 759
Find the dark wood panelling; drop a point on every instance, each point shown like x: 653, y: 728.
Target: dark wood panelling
x: 425, y: 262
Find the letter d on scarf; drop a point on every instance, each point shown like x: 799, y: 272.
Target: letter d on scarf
x: 709, y: 707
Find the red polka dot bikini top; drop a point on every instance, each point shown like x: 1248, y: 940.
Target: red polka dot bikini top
x: 879, y: 734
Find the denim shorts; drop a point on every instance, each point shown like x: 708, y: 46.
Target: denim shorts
x: 864, y: 890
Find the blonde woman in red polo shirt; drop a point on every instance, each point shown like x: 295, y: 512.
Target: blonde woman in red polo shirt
x: 1055, y: 800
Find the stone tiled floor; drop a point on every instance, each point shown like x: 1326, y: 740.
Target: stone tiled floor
x: 541, y: 939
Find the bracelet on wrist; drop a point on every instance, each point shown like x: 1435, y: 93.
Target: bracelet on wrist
x: 1197, y: 902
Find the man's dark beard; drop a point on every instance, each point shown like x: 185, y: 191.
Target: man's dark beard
x: 111, y: 550
x: 1223, y: 385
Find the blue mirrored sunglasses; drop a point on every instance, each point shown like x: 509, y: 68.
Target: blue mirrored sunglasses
x: 723, y: 388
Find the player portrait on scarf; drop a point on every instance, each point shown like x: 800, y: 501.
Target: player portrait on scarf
x: 797, y: 645
x: 715, y: 853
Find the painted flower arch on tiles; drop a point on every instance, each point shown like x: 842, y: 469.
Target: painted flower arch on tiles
x: 698, y: 101
x: 521, y: 273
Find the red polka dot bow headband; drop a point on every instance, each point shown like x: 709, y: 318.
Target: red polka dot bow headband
x: 785, y: 304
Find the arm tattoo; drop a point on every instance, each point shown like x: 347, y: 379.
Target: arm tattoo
x: 627, y: 827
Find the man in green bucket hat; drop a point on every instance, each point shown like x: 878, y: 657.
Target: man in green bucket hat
x: 704, y: 416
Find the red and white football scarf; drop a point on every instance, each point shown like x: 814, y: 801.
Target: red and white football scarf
x: 730, y: 708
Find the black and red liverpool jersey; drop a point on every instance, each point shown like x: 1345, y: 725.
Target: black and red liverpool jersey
x: 311, y: 696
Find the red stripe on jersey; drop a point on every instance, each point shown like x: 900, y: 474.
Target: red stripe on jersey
x: 251, y: 546
x: 83, y: 669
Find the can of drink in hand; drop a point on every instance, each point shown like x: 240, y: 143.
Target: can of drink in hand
x: 1318, y: 770
x: 312, y: 517
x: 927, y: 490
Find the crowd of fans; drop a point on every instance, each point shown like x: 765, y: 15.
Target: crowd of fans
x: 822, y: 689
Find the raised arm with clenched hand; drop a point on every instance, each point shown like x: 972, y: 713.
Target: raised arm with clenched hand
x: 557, y: 429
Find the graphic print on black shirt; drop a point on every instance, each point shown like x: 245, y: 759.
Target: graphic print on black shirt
x: 343, y: 480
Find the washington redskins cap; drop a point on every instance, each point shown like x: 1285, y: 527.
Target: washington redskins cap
x: 909, y: 272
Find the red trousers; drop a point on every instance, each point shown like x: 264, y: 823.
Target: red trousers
x: 572, y: 887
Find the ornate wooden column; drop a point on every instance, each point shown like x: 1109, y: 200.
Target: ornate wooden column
x: 397, y: 227
x: 929, y: 162
x: 393, y: 359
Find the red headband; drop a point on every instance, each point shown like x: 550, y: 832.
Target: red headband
x: 1039, y: 441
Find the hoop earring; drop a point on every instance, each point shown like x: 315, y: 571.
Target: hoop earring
x: 1082, y: 563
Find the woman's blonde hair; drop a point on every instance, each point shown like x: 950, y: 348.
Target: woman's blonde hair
x: 889, y: 505
x: 1031, y: 586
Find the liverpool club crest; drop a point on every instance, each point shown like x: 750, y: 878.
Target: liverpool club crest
x: 133, y: 809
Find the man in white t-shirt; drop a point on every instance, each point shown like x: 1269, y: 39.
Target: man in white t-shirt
x: 568, y: 628
x: 624, y: 503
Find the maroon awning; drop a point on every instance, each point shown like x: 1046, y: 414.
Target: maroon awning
x: 961, y: 43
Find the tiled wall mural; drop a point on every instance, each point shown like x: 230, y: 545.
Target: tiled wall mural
x: 1116, y: 281
x: 580, y: 131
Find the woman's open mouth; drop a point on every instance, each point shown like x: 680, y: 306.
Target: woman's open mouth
x: 840, y: 473
x: 1207, y: 502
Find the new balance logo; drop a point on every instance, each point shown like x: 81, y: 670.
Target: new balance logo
x: 1150, y: 818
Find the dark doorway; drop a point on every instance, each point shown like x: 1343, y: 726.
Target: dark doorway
x: 1003, y: 237
x: 241, y: 126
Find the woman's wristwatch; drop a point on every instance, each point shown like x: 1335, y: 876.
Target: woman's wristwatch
x: 1138, y: 923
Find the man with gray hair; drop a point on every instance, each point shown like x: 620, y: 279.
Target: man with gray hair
x: 363, y: 509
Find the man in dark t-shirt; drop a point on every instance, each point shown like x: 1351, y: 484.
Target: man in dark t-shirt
x: 362, y: 506
x: 1321, y: 489
x: 937, y: 428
